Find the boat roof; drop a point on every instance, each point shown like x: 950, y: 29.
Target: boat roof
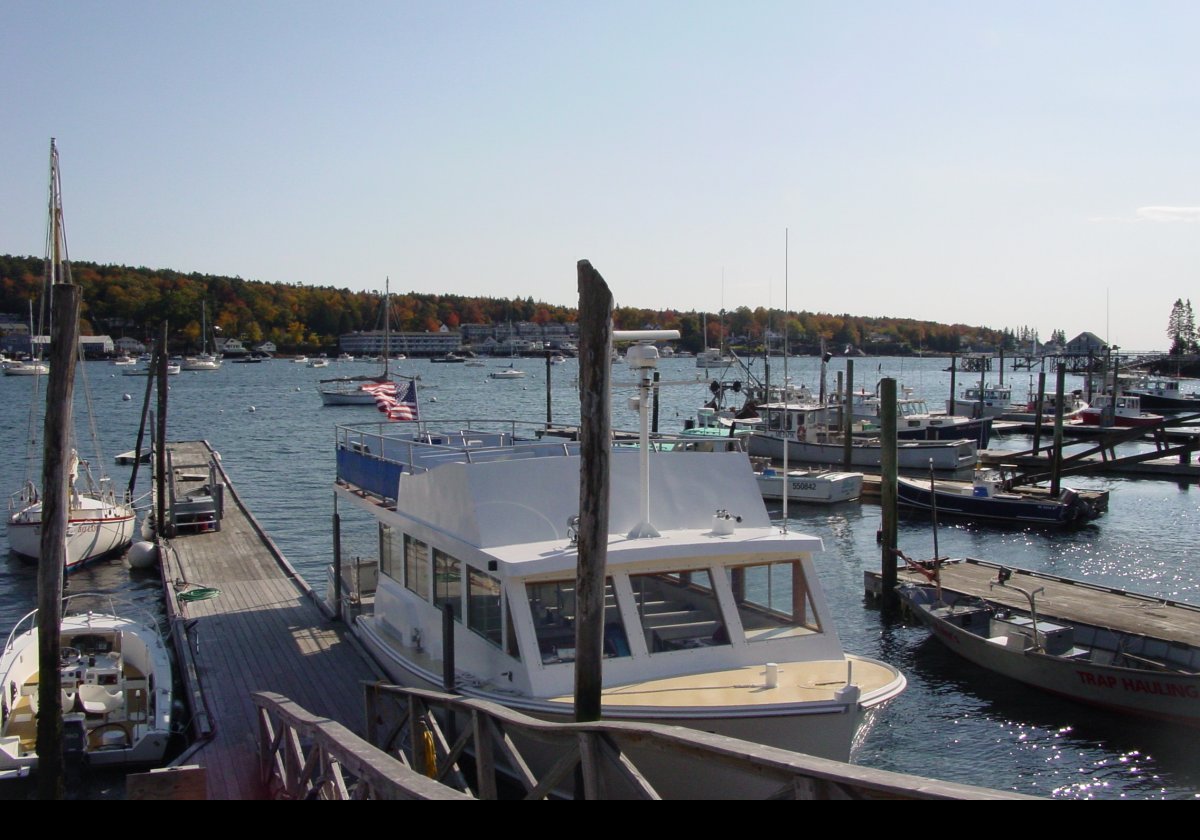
x: 516, y: 499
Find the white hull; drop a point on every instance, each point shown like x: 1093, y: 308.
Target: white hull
x: 116, y: 688
x: 949, y: 455
x: 830, y: 729
x: 24, y: 369
x: 95, y: 528
x: 811, y: 486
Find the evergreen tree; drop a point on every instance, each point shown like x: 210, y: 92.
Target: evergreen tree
x: 1176, y: 328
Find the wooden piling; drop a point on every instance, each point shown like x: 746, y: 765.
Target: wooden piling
x: 1056, y: 455
x: 848, y: 417
x: 1039, y: 402
x: 56, y: 507
x: 160, y: 451
x: 595, y: 351
x: 549, y: 413
x: 889, y: 499
x: 953, y: 370
x: 141, y: 435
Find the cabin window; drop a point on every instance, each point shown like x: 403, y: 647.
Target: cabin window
x: 416, y: 566
x: 679, y: 610
x: 447, y: 582
x: 483, y: 605
x: 388, y: 564
x: 773, y: 600
x: 552, y: 605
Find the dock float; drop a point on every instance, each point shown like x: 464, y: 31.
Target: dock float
x: 1064, y: 599
x: 243, y: 621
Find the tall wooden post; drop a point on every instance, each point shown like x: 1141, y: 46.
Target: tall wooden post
x: 56, y: 507
x: 953, y: 394
x: 141, y: 436
x: 337, y: 561
x: 160, y: 451
x: 1001, y: 364
x: 848, y: 416
x: 1038, y: 403
x: 549, y: 389
x: 1056, y: 455
x: 888, y: 494
x: 595, y: 353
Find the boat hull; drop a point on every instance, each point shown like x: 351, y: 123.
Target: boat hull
x: 911, y: 455
x: 93, y: 532
x: 811, y: 486
x: 1012, y: 508
x: 832, y: 730
x: 1158, y: 694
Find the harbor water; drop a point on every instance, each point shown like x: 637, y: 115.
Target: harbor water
x: 955, y: 721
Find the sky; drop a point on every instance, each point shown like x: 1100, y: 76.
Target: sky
x: 1005, y: 164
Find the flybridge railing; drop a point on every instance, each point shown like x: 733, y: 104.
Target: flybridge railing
x: 373, y: 457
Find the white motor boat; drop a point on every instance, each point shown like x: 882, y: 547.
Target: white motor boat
x: 27, y: 368
x: 509, y: 372
x: 714, y: 617
x: 115, y: 691
x: 814, y: 486
x: 811, y: 434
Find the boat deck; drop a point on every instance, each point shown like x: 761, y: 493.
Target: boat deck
x: 263, y: 632
x: 799, y: 682
x: 1067, y: 600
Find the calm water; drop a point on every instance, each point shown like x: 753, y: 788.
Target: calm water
x: 954, y: 721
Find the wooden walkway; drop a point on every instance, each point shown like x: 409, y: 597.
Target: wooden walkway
x: 263, y: 632
x: 1067, y: 600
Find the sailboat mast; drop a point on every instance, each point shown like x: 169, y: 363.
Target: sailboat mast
x: 387, y: 324
x: 786, y: 402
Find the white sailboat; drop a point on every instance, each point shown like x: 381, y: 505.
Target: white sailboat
x: 99, y: 523
x: 206, y: 360
x: 350, y: 390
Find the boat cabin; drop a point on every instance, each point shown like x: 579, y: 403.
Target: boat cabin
x: 483, y: 524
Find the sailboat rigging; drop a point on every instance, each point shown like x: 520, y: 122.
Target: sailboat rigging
x: 98, y: 522
x: 360, y: 390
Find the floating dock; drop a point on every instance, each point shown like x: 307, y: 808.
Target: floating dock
x: 251, y: 623
x: 1064, y: 599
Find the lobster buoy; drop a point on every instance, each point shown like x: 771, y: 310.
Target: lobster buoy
x: 143, y: 555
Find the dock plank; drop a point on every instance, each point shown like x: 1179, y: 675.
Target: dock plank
x: 263, y: 632
x: 1071, y: 600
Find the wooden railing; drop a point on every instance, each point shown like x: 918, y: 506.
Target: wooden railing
x: 303, y: 756
x: 517, y: 756
x: 428, y: 745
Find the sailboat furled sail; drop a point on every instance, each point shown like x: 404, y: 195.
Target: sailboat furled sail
x: 98, y: 522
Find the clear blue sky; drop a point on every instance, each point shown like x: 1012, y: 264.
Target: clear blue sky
x: 991, y: 163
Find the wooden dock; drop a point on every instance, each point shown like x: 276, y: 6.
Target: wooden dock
x: 263, y: 631
x: 1065, y: 599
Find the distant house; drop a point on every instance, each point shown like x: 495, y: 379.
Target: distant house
x: 95, y: 346
x: 1085, y: 343
x: 129, y: 346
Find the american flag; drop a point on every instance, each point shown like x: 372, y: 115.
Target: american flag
x: 397, y: 406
